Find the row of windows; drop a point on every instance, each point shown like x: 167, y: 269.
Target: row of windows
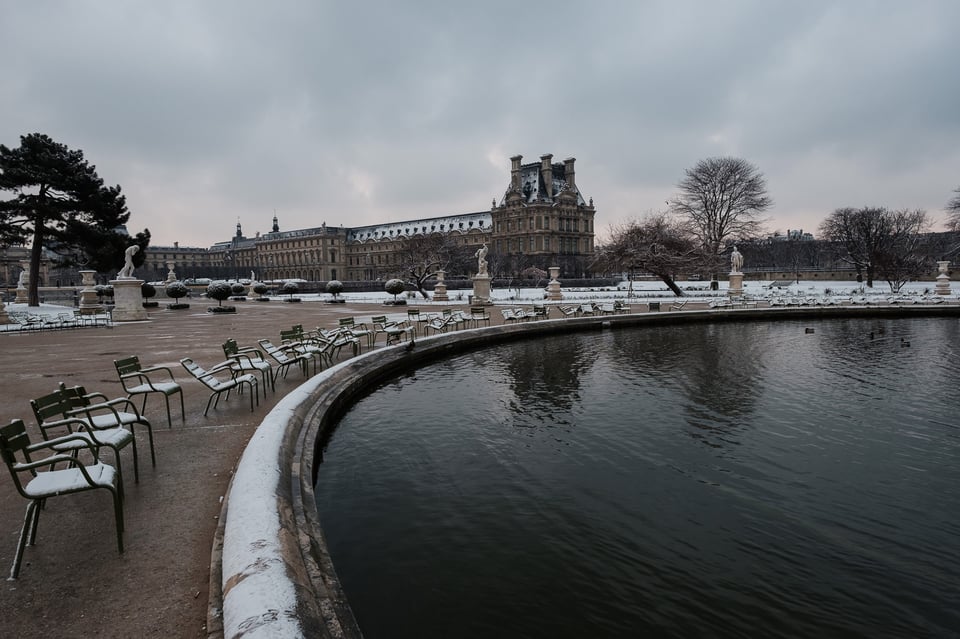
x: 415, y: 230
x: 535, y: 243
x: 544, y: 223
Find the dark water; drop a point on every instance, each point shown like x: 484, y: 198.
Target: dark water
x: 747, y: 480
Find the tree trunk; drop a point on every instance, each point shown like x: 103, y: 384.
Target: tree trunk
x: 35, y: 252
x: 672, y: 285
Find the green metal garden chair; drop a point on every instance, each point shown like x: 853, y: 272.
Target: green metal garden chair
x: 37, y: 485
x: 137, y: 380
x: 52, y: 412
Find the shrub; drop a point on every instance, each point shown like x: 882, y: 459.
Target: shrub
x: 260, y: 288
x: 176, y: 290
x: 238, y: 289
x: 147, y: 291
x: 395, y: 287
x: 335, y: 287
x: 291, y: 289
x: 219, y: 291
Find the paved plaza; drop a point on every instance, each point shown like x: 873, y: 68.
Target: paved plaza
x: 73, y: 583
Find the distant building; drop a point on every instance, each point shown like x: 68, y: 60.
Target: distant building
x: 791, y: 235
x: 541, y: 220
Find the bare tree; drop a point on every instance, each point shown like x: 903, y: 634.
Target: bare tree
x: 953, y: 212
x: 877, y: 241
x: 901, y: 258
x: 657, y: 244
x: 422, y: 256
x: 722, y: 199
x: 857, y: 232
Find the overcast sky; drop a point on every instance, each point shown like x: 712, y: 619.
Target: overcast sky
x: 357, y: 112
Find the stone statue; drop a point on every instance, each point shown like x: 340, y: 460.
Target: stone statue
x: 736, y: 260
x: 22, y: 281
x: 481, y: 256
x: 126, y: 273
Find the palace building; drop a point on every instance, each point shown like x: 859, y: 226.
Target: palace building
x: 541, y: 220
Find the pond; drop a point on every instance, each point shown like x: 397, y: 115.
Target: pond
x: 766, y: 479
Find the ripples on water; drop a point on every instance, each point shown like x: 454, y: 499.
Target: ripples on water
x: 706, y: 480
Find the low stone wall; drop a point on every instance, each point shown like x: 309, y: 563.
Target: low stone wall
x: 271, y: 574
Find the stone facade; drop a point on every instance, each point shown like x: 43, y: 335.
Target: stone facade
x: 542, y: 220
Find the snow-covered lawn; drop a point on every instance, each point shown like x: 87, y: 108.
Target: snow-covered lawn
x: 641, y: 291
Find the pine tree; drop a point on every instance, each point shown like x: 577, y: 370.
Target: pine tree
x: 59, y: 203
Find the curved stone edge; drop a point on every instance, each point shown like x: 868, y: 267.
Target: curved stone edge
x: 270, y: 568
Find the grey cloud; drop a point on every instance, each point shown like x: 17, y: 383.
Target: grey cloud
x: 359, y: 112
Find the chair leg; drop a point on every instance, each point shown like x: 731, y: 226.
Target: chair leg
x: 116, y: 455
x: 29, y: 528
x: 144, y: 422
x: 212, y: 395
x: 118, y: 516
x: 166, y: 399
x: 136, y: 458
x: 183, y: 412
x: 34, y: 521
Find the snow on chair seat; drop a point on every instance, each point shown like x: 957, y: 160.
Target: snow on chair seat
x: 16, y: 449
x: 52, y: 412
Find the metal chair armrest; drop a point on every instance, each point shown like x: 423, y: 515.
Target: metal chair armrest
x: 46, y: 461
x: 154, y: 369
x: 50, y: 444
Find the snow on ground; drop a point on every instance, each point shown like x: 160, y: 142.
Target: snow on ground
x: 641, y: 291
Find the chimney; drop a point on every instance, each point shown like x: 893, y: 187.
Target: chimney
x: 546, y: 175
x: 568, y: 173
x: 515, y: 172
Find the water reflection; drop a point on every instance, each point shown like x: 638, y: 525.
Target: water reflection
x: 817, y: 497
x: 547, y: 373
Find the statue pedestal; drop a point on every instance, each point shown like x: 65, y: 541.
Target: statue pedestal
x: 128, y: 301
x: 4, y: 318
x: 943, y: 279
x: 481, y: 290
x: 88, y: 294
x: 736, y: 285
x: 440, y: 289
x: 553, y: 287
x: 23, y: 286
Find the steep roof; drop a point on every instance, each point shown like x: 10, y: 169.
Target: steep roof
x: 461, y: 223
x: 533, y: 188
